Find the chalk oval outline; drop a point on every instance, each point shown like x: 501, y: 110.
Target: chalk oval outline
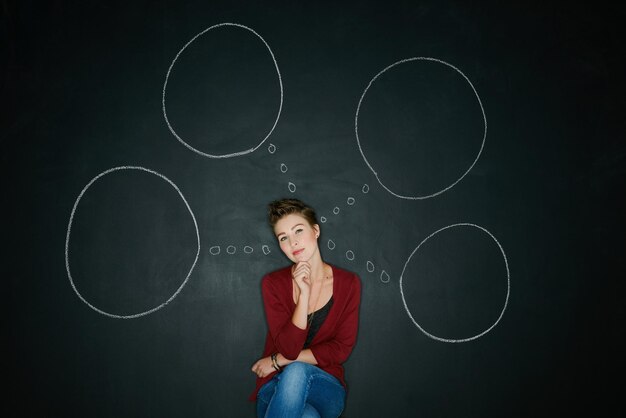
x: 508, y: 286
x: 69, y: 230
x: 356, y: 127
x: 280, y: 82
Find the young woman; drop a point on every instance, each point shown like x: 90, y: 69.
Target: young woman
x: 312, y: 312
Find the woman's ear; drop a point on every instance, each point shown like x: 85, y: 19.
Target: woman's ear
x: 316, y: 228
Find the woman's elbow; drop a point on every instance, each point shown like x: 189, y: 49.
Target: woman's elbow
x: 290, y: 353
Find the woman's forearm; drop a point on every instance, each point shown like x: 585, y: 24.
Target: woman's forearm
x: 299, y: 317
x: 305, y: 356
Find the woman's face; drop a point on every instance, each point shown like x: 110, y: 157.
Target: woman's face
x: 296, y: 237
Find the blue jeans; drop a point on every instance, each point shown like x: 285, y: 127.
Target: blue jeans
x: 301, y: 390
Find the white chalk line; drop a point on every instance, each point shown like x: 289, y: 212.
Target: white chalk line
x: 232, y: 249
x: 291, y: 186
x: 369, y: 265
x: 350, y: 255
x: 356, y: 127
x: 280, y: 81
x: 508, y: 287
x: 350, y: 201
x: 69, y: 230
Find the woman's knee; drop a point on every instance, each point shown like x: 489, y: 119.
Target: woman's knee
x: 297, y: 370
x: 294, y: 381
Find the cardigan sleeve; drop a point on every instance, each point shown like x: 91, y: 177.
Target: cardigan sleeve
x: 288, y: 338
x: 337, y: 349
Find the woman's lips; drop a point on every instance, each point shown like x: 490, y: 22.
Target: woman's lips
x: 295, y: 253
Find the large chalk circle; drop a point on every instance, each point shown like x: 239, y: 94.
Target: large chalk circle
x: 420, y: 127
x: 130, y: 246
x: 223, y: 92
x: 456, y: 283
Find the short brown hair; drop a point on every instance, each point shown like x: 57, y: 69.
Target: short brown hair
x: 283, y: 207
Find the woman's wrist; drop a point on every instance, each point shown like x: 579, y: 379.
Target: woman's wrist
x: 282, y: 361
x: 275, y: 363
x: 304, y: 296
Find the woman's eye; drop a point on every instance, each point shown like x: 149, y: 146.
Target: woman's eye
x: 298, y: 231
x: 281, y: 239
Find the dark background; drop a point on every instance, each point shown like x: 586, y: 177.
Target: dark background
x: 81, y: 90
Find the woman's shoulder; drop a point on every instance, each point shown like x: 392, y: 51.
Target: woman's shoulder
x: 277, y: 276
x: 342, y: 272
x: 348, y: 277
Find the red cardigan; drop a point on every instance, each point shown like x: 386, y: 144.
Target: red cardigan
x: 332, y: 344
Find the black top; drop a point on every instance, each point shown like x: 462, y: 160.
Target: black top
x: 316, y: 319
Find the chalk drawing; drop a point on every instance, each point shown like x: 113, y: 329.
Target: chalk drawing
x: 508, y: 285
x: 69, y: 231
x: 231, y: 249
x: 280, y: 81
x: 356, y: 126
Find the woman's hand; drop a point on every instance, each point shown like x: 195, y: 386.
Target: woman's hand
x: 263, y: 367
x: 301, y: 273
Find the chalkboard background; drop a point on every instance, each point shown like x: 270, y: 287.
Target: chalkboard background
x: 138, y: 294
